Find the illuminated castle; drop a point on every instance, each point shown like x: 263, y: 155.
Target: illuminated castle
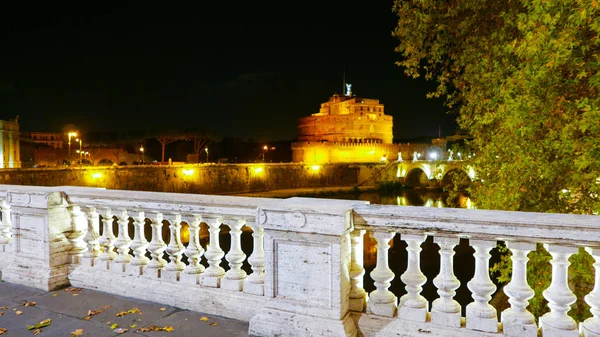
x: 346, y: 129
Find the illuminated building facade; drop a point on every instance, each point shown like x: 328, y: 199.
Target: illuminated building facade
x: 9, y: 144
x: 54, y: 139
x: 346, y: 129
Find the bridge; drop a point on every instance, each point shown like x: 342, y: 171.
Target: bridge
x: 304, y: 273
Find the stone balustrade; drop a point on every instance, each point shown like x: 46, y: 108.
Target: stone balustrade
x: 304, y: 274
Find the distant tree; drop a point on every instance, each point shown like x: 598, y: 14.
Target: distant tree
x: 523, y: 77
x: 201, y: 139
x: 167, y: 137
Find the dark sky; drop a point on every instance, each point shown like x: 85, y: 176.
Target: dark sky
x: 245, y: 69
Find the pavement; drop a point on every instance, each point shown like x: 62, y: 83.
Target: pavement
x: 80, y: 312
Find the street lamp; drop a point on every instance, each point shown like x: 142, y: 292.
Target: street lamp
x: 71, y: 134
x: 80, y: 150
x: 265, y: 149
x: 206, y: 149
x: 142, y: 151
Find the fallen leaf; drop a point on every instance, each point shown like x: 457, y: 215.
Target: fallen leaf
x: 133, y: 326
x: 204, y: 318
x: 29, y: 304
x: 73, y: 290
x: 132, y: 311
x: 37, y: 331
x: 95, y: 312
x: 18, y: 312
x: 1, y: 313
x: 155, y: 328
x: 214, y: 324
x: 168, y: 328
x: 54, y: 295
x: 2, y: 331
x: 77, y: 332
x: 114, y: 326
x: 3, y: 308
x: 75, y: 294
x: 108, y: 322
x: 87, y: 318
x: 120, y: 330
x: 163, y: 309
x: 41, y: 324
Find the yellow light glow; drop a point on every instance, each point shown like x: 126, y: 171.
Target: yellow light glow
x: 188, y: 172
x: 96, y: 175
x: 258, y: 170
x: 471, y: 172
x: 315, y: 167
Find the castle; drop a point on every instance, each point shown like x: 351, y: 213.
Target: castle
x: 346, y: 129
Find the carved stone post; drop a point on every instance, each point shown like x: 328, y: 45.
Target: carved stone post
x: 255, y: 284
x: 92, y: 237
x: 107, y: 239
x: 174, y: 249
x: 235, y: 276
x: 122, y: 242
x: 307, y: 269
x: 445, y: 310
x: 156, y: 248
x: 139, y: 246
x: 40, y: 248
x: 382, y: 301
x: 79, y: 229
x: 358, y: 295
x: 480, y: 314
x: 516, y: 320
x: 214, y: 254
x: 194, y: 251
x: 557, y: 322
x: 413, y: 306
x: 5, y: 225
x: 591, y: 326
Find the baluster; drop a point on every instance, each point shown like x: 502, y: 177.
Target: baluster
x: 213, y: 274
x: 559, y: 296
x: 78, y: 230
x: 480, y: 314
x: 591, y: 326
x: 516, y: 320
x: 107, y: 238
x: 445, y: 310
x: 123, y: 241
x: 138, y: 245
x: 255, y: 284
x: 92, y: 237
x: 235, y: 276
x: 174, y: 249
x: 156, y: 248
x: 358, y: 295
x: 194, y: 253
x: 5, y: 225
x: 413, y: 306
x: 381, y: 300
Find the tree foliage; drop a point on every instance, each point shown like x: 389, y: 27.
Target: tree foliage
x: 523, y: 78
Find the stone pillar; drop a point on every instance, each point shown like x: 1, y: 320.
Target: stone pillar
x: 41, y: 224
x: 307, y: 269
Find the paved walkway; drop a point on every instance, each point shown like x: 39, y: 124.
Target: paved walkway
x: 82, y: 312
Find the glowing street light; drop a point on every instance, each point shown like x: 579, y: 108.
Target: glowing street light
x: 433, y: 155
x: 142, y: 151
x: 80, y: 150
x: 265, y: 149
x: 71, y: 134
x: 206, y: 150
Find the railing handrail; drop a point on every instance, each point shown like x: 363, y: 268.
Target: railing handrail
x: 571, y: 229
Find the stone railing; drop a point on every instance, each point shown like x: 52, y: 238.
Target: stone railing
x: 293, y: 267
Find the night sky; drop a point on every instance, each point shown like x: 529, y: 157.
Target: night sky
x: 239, y: 69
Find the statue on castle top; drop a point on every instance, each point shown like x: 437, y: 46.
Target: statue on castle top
x: 399, y: 156
x: 348, y: 89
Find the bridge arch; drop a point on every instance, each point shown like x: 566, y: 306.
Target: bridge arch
x: 416, y: 177
x: 104, y: 162
x: 456, y: 176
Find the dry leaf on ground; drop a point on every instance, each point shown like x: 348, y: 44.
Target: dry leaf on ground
x: 75, y: 294
x: 121, y: 330
x: 77, y: 332
x: 204, y: 318
x: 163, y: 309
x: 73, y: 290
x: 3, y: 308
x: 1, y: 313
x: 2, y: 331
x: 95, y: 312
x: 132, y: 311
x: 29, y: 304
x: 41, y: 324
x: 18, y: 312
x: 214, y: 324
x: 54, y: 295
x: 155, y: 328
x: 37, y: 331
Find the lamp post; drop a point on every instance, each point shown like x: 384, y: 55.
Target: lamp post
x: 142, y: 151
x: 206, y: 149
x: 80, y: 149
x: 265, y: 149
x: 71, y: 134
